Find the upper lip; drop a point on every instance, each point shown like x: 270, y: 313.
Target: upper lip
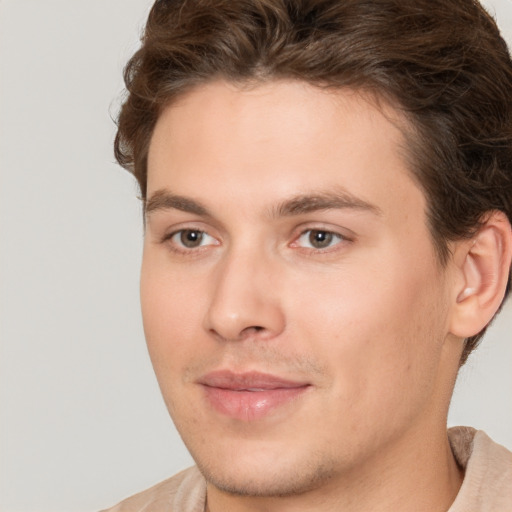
x: 248, y: 381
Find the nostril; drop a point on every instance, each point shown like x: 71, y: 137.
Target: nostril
x: 256, y: 328
x: 244, y: 334
x: 249, y: 331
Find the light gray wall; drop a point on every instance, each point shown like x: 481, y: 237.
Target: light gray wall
x: 82, y: 421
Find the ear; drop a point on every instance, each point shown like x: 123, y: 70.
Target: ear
x: 483, y: 267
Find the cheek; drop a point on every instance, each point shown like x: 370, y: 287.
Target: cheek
x: 379, y: 329
x: 171, y: 311
x: 171, y: 306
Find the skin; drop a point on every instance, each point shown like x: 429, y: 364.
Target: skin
x: 365, y: 320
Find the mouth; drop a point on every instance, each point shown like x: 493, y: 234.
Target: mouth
x: 249, y: 396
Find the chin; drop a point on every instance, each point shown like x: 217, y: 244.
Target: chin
x: 270, y: 478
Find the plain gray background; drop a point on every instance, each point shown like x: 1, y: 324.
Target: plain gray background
x: 82, y: 421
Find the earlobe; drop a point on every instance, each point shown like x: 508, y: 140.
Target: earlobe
x: 484, y: 267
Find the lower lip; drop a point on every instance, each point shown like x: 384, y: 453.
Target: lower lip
x: 250, y: 405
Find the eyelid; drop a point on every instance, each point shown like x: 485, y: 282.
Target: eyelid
x: 165, y: 229
x: 172, y: 234
x: 180, y: 249
x: 344, y: 236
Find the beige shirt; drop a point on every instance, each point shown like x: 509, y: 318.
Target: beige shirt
x: 487, y: 485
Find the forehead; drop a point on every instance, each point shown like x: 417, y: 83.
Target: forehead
x: 279, y: 138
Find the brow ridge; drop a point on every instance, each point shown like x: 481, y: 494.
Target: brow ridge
x: 306, y: 203
x: 165, y: 200
x: 296, y: 205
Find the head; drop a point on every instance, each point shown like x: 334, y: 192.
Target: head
x: 315, y: 175
x: 443, y: 64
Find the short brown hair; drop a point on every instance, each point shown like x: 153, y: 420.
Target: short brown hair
x: 442, y: 62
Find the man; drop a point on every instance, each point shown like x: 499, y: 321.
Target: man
x: 327, y: 189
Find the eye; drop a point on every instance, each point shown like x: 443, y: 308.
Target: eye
x: 318, y: 239
x: 191, y: 238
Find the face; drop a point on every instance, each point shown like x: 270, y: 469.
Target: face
x: 294, y: 309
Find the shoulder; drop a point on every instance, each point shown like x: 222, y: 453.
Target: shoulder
x: 184, y: 492
x: 487, y: 485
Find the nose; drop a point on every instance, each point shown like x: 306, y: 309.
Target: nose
x: 245, y: 299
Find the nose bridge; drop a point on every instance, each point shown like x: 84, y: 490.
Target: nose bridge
x: 244, y: 299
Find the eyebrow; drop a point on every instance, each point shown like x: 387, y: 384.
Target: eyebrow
x: 296, y: 205
x: 336, y: 200
x: 164, y: 200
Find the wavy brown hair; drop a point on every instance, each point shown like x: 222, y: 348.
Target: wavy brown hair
x: 443, y: 63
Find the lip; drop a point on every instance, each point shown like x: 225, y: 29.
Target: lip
x: 249, y: 396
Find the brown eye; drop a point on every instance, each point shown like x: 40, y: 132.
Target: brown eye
x: 320, y: 239
x: 191, y: 238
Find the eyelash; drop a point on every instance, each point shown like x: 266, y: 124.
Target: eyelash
x: 329, y: 235
x: 181, y: 249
